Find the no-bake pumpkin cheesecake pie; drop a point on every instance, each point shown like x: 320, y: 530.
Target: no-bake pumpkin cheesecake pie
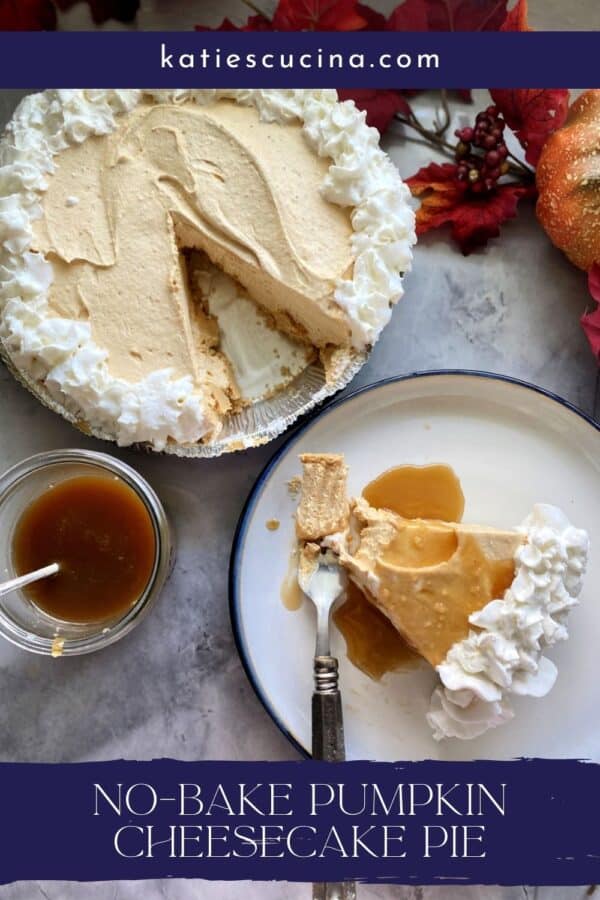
x: 479, y: 604
x: 168, y: 257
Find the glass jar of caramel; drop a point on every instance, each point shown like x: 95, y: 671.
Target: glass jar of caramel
x: 105, y: 527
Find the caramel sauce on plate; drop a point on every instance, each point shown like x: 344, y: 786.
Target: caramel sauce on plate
x: 418, y: 492
x: 372, y: 643
x: 292, y: 596
x: 415, y: 492
x: 100, y: 533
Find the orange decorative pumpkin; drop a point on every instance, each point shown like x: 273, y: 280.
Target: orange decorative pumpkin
x: 568, y: 180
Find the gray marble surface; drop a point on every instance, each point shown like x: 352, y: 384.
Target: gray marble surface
x: 175, y: 686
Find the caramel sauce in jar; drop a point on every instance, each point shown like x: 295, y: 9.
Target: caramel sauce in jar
x: 414, y: 492
x: 101, y: 534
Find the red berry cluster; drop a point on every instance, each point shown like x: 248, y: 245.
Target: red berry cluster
x: 481, y: 170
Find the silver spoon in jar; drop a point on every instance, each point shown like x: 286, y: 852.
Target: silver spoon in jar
x: 23, y: 580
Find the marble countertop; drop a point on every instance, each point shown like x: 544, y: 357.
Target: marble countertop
x: 175, y: 686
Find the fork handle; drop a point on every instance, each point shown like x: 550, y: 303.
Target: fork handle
x: 327, y: 720
x: 334, y: 890
x: 328, y: 744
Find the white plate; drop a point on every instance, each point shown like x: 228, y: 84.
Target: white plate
x: 511, y: 446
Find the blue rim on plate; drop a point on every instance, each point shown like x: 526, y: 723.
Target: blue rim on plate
x: 256, y: 491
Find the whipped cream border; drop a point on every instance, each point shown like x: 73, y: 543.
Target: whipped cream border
x: 61, y: 353
x: 505, y: 656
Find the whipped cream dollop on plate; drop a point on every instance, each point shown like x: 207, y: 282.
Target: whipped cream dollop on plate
x: 504, y: 653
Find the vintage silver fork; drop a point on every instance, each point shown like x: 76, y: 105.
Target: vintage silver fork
x: 323, y: 585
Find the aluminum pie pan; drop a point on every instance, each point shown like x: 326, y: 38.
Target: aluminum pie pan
x: 250, y: 427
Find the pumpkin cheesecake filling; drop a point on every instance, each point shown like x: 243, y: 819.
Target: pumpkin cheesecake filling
x: 210, y: 178
x: 479, y: 604
x: 428, y: 577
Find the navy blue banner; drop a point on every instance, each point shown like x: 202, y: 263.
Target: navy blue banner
x: 299, y: 59
x: 508, y: 823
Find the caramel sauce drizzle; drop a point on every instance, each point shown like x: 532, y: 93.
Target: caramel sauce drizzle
x: 415, y: 492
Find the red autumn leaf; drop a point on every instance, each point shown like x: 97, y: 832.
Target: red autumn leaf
x: 374, y: 21
x: 309, y: 15
x: 458, y: 15
x: 441, y: 189
x: 123, y: 10
x: 254, y: 23
x: 590, y: 323
x: 226, y: 25
x: 317, y: 15
x: 516, y: 20
x: 380, y: 106
x: 594, y: 282
x: 474, y: 218
x: 533, y: 114
x: 591, y: 320
x: 465, y: 15
x: 409, y: 16
x: 27, y: 15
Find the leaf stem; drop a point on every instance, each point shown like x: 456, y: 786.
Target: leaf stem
x: 256, y: 9
x: 427, y: 143
x: 432, y: 137
x: 521, y: 165
x: 443, y: 126
x: 435, y: 137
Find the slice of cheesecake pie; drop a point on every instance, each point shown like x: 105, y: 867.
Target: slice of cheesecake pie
x: 478, y: 603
